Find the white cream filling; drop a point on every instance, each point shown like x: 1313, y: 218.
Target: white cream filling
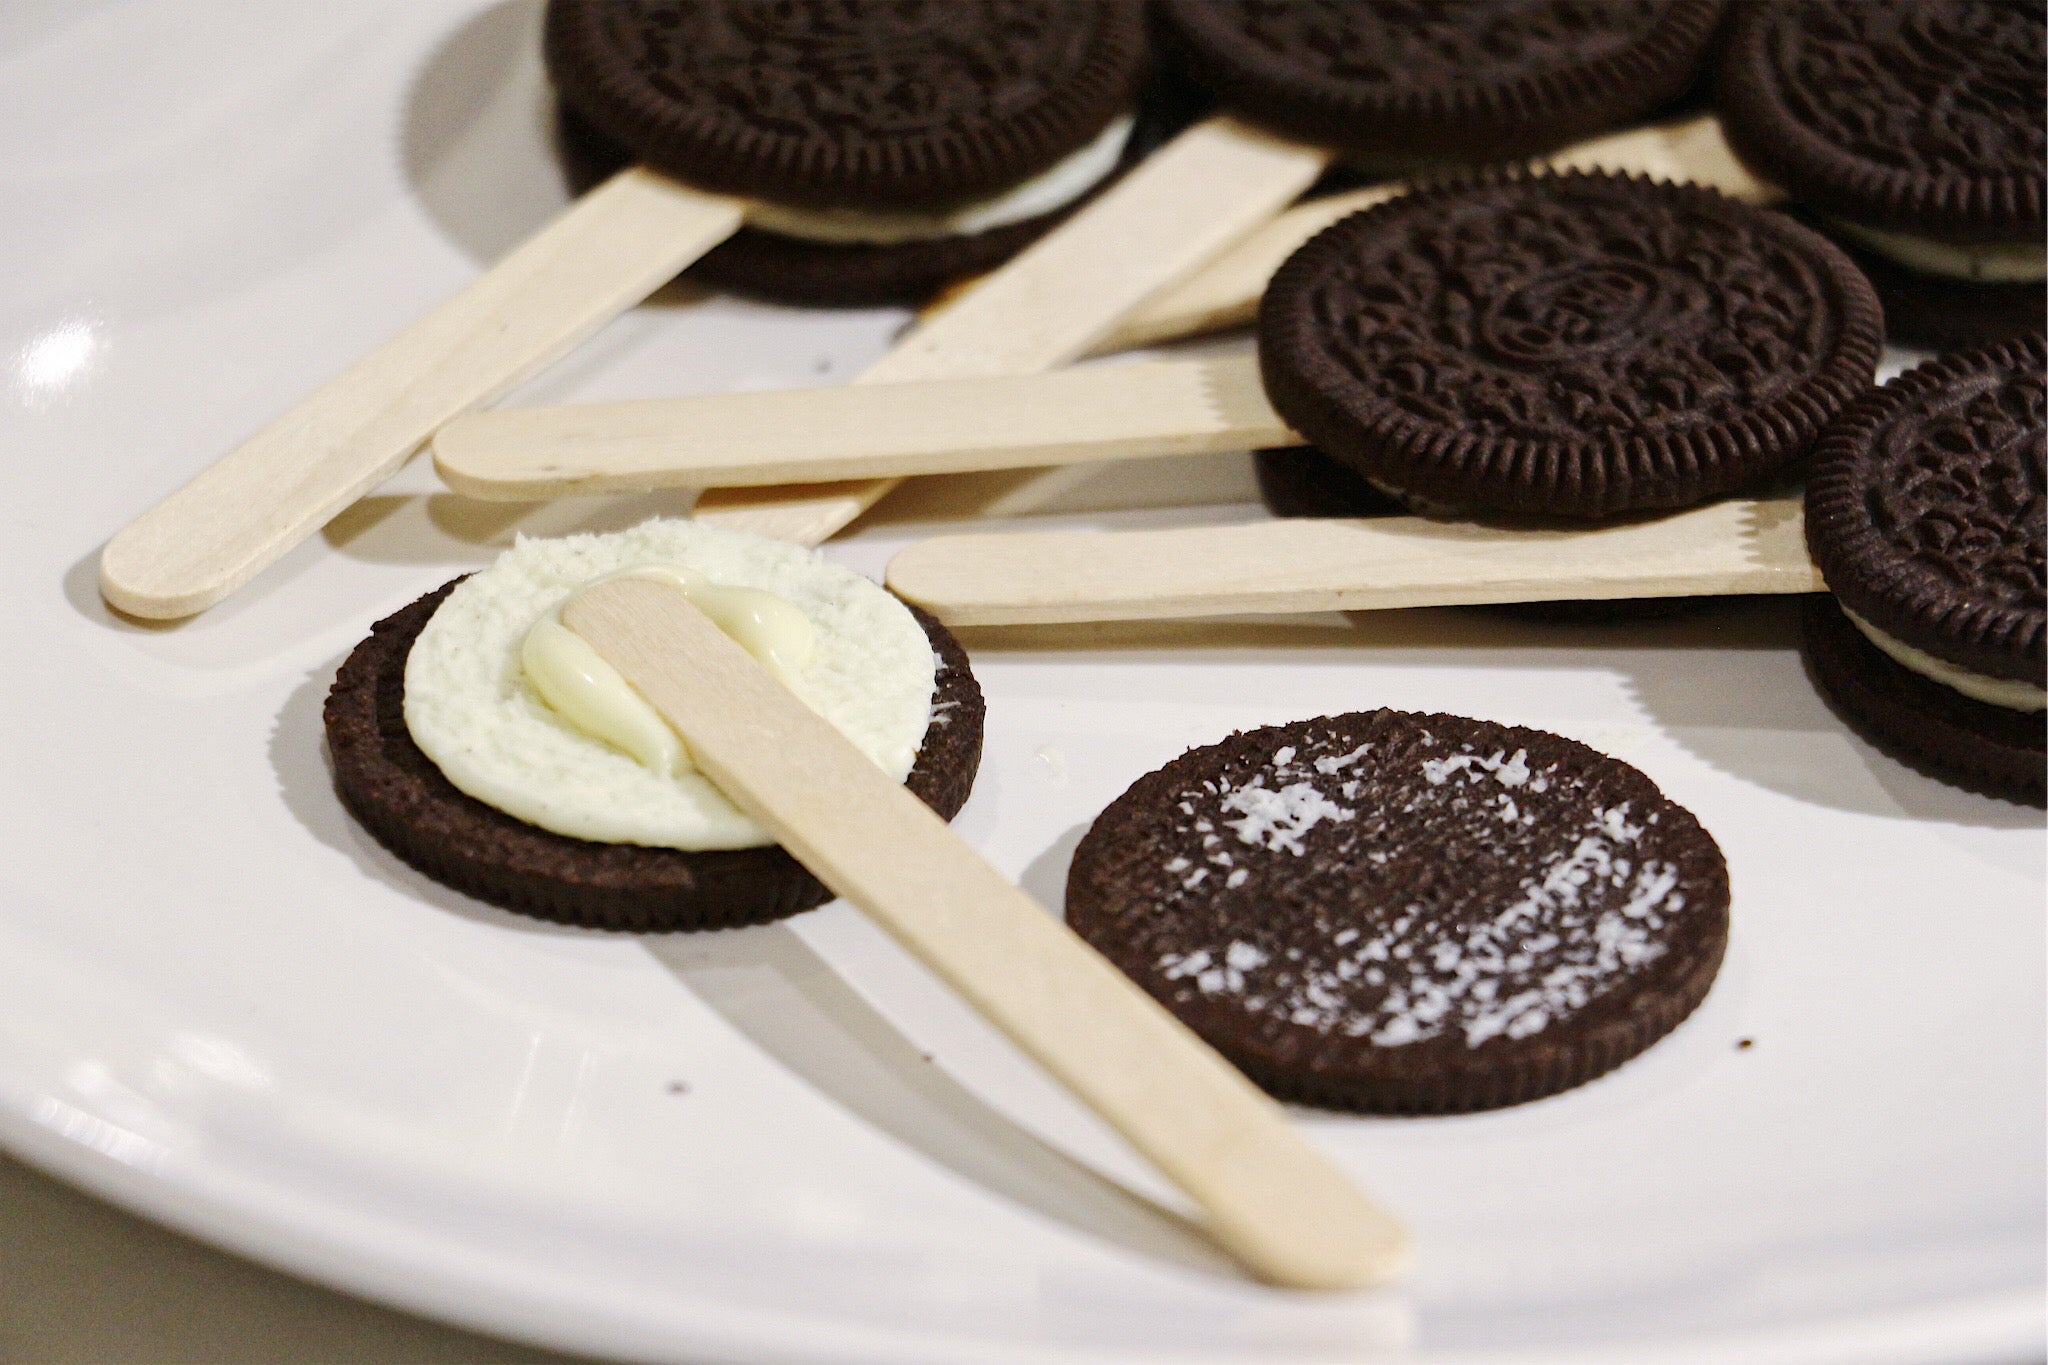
x: 1055, y: 187
x: 1993, y: 263
x: 2010, y: 693
x: 473, y: 712
x: 582, y: 687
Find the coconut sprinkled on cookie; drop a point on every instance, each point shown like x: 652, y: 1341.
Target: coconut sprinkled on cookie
x: 1400, y: 912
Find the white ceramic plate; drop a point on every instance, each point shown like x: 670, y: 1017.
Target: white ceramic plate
x: 223, y: 1005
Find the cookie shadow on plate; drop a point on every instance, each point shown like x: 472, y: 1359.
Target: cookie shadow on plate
x: 1045, y: 878
x: 1757, y: 717
x: 480, y: 142
x: 478, y: 133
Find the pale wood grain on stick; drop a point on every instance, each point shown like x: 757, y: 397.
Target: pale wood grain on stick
x: 1102, y: 412
x: 605, y: 253
x: 1742, y: 545
x: 1026, y: 317
x: 1270, y: 1198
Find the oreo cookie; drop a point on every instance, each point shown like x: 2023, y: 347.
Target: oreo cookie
x: 1925, y: 514
x: 1580, y: 345
x: 779, y: 268
x: 1945, y: 314
x: 1935, y: 730
x: 1916, y: 128
x: 841, y: 104
x: 402, y: 798
x: 1410, y: 914
x: 1470, y: 83
x: 897, y: 147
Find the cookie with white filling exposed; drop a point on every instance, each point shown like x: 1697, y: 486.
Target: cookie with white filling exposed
x: 1925, y: 513
x: 1914, y: 129
x: 887, y: 148
x: 537, y: 815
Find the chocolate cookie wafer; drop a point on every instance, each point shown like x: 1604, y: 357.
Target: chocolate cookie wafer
x: 1404, y: 913
x: 807, y: 272
x: 1578, y: 345
x: 890, y: 148
x: 1915, y: 130
x: 1406, y: 83
x: 1943, y: 314
x: 451, y: 750
x: 1925, y: 514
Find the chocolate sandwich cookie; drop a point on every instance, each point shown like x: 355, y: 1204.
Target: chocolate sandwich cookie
x: 1925, y: 514
x: 1577, y: 345
x: 405, y: 800
x: 1406, y: 82
x: 1915, y: 129
x: 889, y: 147
x: 1945, y: 314
x: 779, y: 268
x: 1402, y: 913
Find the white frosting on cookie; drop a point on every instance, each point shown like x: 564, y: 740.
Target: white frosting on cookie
x: 1991, y: 263
x: 2011, y: 693
x: 472, y: 711
x: 582, y: 687
x: 1055, y: 187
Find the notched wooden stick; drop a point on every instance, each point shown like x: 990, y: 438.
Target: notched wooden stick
x: 1271, y: 1199
x: 605, y: 253
x: 1742, y: 545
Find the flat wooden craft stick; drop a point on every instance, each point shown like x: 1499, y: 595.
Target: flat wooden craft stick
x: 1742, y: 545
x: 1176, y: 210
x: 1225, y: 293
x: 1271, y: 1198
x: 790, y: 436
x: 1097, y: 412
x: 605, y: 253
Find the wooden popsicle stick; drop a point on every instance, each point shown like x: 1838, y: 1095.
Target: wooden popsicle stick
x: 1226, y: 292
x: 608, y: 251
x: 1098, y: 412
x: 737, y: 442
x: 1271, y: 1198
x: 1742, y: 545
x: 1177, y: 209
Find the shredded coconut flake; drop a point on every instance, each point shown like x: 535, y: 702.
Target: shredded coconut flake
x: 1594, y: 906
x: 1276, y: 820
x: 1509, y: 772
x: 1338, y: 763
